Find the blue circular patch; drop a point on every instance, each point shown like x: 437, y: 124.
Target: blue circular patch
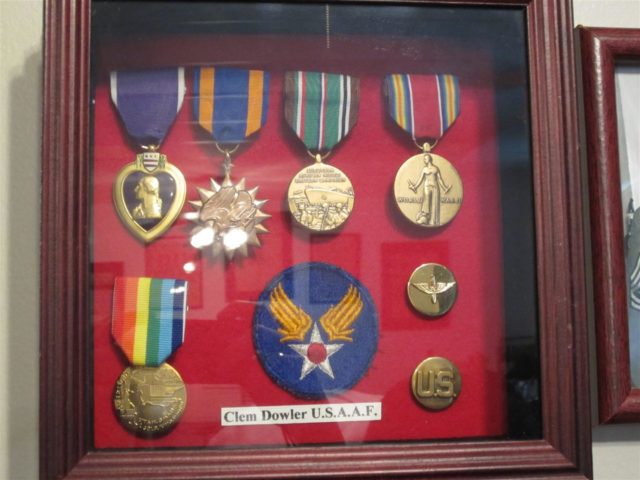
x: 315, y: 330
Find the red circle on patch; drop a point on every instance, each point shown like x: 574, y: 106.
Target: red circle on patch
x: 317, y: 353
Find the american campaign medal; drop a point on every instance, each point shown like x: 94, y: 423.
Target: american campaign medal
x: 432, y: 289
x: 148, y: 325
x: 148, y: 193
x: 427, y: 188
x: 231, y: 105
x: 436, y: 383
x: 321, y: 108
x: 315, y: 330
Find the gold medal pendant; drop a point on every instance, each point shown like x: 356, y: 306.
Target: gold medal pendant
x: 148, y: 195
x: 320, y: 197
x: 149, y: 401
x: 428, y: 190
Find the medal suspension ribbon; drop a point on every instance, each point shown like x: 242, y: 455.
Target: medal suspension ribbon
x: 321, y: 108
x: 148, y: 320
x: 148, y: 102
x: 231, y: 104
x: 438, y: 100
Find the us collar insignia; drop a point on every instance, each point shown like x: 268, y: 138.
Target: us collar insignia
x: 315, y: 330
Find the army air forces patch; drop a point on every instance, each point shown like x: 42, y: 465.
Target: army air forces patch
x: 315, y: 330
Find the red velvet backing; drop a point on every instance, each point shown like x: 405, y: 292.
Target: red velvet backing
x: 377, y: 245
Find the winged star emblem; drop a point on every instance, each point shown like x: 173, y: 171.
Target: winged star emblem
x: 295, y: 323
x: 433, y: 288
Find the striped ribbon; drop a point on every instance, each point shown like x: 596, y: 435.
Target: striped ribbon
x: 148, y: 101
x: 437, y: 98
x: 634, y: 285
x: 321, y: 107
x: 229, y: 103
x: 148, y: 318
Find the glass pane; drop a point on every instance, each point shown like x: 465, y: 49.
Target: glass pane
x: 322, y: 324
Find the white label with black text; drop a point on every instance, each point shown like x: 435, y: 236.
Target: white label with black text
x: 285, y: 414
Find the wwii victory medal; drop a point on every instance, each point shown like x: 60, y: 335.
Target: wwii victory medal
x: 148, y: 325
x: 315, y: 330
x: 427, y: 188
x: 231, y: 105
x: 321, y: 108
x: 149, y: 193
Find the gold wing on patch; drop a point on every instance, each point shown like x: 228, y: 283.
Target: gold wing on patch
x: 338, y: 319
x: 294, y: 322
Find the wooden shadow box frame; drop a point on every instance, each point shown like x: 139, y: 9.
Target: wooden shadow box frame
x: 564, y: 449
x: 601, y: 50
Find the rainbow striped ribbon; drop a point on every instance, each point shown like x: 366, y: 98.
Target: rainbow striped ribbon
x: 148, y: 318
x: 229, y: 103
x: 321, y: 107
x: 438, y: 98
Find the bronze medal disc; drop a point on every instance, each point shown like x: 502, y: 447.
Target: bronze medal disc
x: 320, y: 197
x: 428, y: 190
x: 432, y: 289
x: 436, y: 383
x: 149, y: 401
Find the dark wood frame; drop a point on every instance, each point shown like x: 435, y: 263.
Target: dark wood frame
x: 65, y: 439
x: 601, y: 49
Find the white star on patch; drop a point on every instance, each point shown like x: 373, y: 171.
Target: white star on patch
x: 316, y: 354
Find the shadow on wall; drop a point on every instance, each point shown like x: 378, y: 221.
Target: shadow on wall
x: 22, y: 182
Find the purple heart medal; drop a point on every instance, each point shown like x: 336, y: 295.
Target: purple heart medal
x: 149, y: 193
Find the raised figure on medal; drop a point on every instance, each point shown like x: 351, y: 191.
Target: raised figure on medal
x: 430, y: 210
x: 425, y: 107
x: 148, y: 192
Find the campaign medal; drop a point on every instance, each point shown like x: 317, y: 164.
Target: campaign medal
x: 148, y: 325
x: 432, y: 289
x: 321, y: 108
x: 148, y: 193
x: 315, y: 330
x: 436, y: 383
x: 427, y: 188
x: 231, y: 105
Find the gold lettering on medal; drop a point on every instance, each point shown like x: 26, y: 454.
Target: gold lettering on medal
x: 320, y: 197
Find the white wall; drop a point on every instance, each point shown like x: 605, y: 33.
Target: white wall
x: 20, y: 112
x: 616, y: 448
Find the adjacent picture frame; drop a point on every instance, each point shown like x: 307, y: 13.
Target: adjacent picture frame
x: 602, y: 51
x: 66, y: 437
